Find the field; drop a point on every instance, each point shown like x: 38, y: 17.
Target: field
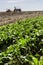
x: 10, y: 17
x: 21, y: 43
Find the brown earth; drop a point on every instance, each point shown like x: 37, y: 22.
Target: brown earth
x: 10, y: 17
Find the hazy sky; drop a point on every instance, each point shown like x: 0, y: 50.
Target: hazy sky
x: 23, y: 4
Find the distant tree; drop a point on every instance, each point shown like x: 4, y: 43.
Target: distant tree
x: 17, y: 10
x: 8, y: 10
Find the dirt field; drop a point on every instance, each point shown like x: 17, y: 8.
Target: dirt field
x: 10, y: 17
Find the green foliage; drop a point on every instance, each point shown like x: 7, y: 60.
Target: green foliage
x: 22, y: 43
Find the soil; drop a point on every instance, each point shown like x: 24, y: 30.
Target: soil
x: 11, y: 17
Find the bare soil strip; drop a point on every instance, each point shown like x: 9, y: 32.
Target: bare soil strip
x: 11, y: 17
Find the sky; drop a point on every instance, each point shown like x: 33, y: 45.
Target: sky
x: 25, y: 5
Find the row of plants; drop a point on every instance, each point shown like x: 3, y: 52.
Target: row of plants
x: 21, y: 43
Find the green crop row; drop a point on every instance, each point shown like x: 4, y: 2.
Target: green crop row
x: 21, y: 43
